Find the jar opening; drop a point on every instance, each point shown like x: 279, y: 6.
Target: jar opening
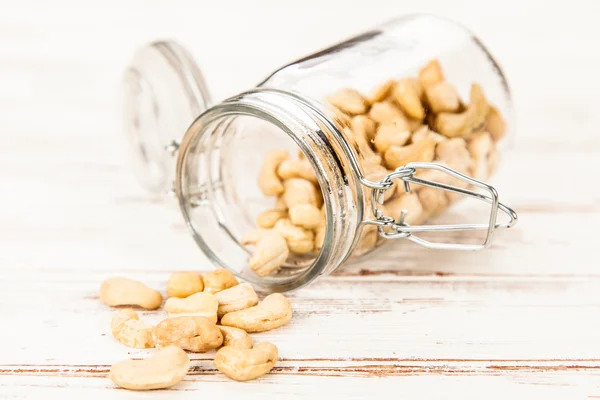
x: 220, y: 196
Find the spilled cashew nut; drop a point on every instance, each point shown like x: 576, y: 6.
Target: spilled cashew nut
x: 197, y: 334
x: 274, y: 311
x: 127, y: 328
x: 127, y: 292
x: 246, y: 364
x: 235, y: 337
x: 268, y: 180
x: 165, y: 368
x: 236, y: 298
x: 184, y: 284
x: 270, y: 252
x: 200, y: 304
x: 217, y: 280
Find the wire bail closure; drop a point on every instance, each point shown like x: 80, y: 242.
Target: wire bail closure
x: 393, y: 229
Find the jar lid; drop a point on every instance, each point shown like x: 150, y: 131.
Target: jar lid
x: 164, y: 92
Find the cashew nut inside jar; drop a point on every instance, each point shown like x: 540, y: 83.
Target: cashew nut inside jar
x: 380, y: 140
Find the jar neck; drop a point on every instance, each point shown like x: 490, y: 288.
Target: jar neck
x: 315, y: 132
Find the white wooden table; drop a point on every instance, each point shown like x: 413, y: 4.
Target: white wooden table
x: 520, y: 320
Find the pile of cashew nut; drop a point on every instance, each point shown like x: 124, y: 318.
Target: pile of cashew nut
x: 204, y: 313
x: 419, y: 119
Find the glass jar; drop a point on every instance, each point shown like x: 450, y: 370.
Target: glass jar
x: 379, y: 133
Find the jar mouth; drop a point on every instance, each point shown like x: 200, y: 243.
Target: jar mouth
x: 217, y: 168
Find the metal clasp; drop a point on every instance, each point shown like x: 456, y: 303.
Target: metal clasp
x: 393, y: 229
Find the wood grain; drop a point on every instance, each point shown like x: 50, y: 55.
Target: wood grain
x: 518, y: 320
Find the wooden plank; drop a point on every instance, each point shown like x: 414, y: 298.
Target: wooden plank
x: 571, y: 384
x: 373, y: 317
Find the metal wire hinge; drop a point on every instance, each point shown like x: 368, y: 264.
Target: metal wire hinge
x: 392, y: 229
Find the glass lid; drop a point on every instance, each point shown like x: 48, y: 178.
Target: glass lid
x: 164, y: 92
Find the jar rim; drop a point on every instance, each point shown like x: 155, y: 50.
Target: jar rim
x: 310, y: 129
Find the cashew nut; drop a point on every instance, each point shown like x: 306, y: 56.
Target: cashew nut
x: 184, y: 284
x: 405, y: 201
x: 341, y: 117
x: 305, y: 215
x: 267, y: 219
x: 381, y: 92
x: 320, y: 231
x: 217, y: 280
x: 368, y: 238
x: 319, y: 238
x: 407, y: 95
x: 200, y: 304
x: 364, y: 126
x: 424, y: 132
x: 197, y: 334
x: 301, y: 191
x: 236, y: 298
x: 246, y: 364
x: 495, y: 124
x: 297, y: 169
x: 299, y: 240
x: 385, y: 112
x: 422, y: 150
x: 431, y: 74
x: 482, y: 148
x: 395, y: 133
x: 349, y: 101
x: 235, y: 337
x: 165, y: 368
x: 442, y: 97
x: 274, y: 311
x: 455, y: 154
x: 127, y: 328
x: 268, y: 180
x: 280, y: 203
x: 365, y: 152
x: 466, y: 122
x: 433, y: 201
x: 254, y: 236
x: 127, y: 292
x: 270, y: 252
